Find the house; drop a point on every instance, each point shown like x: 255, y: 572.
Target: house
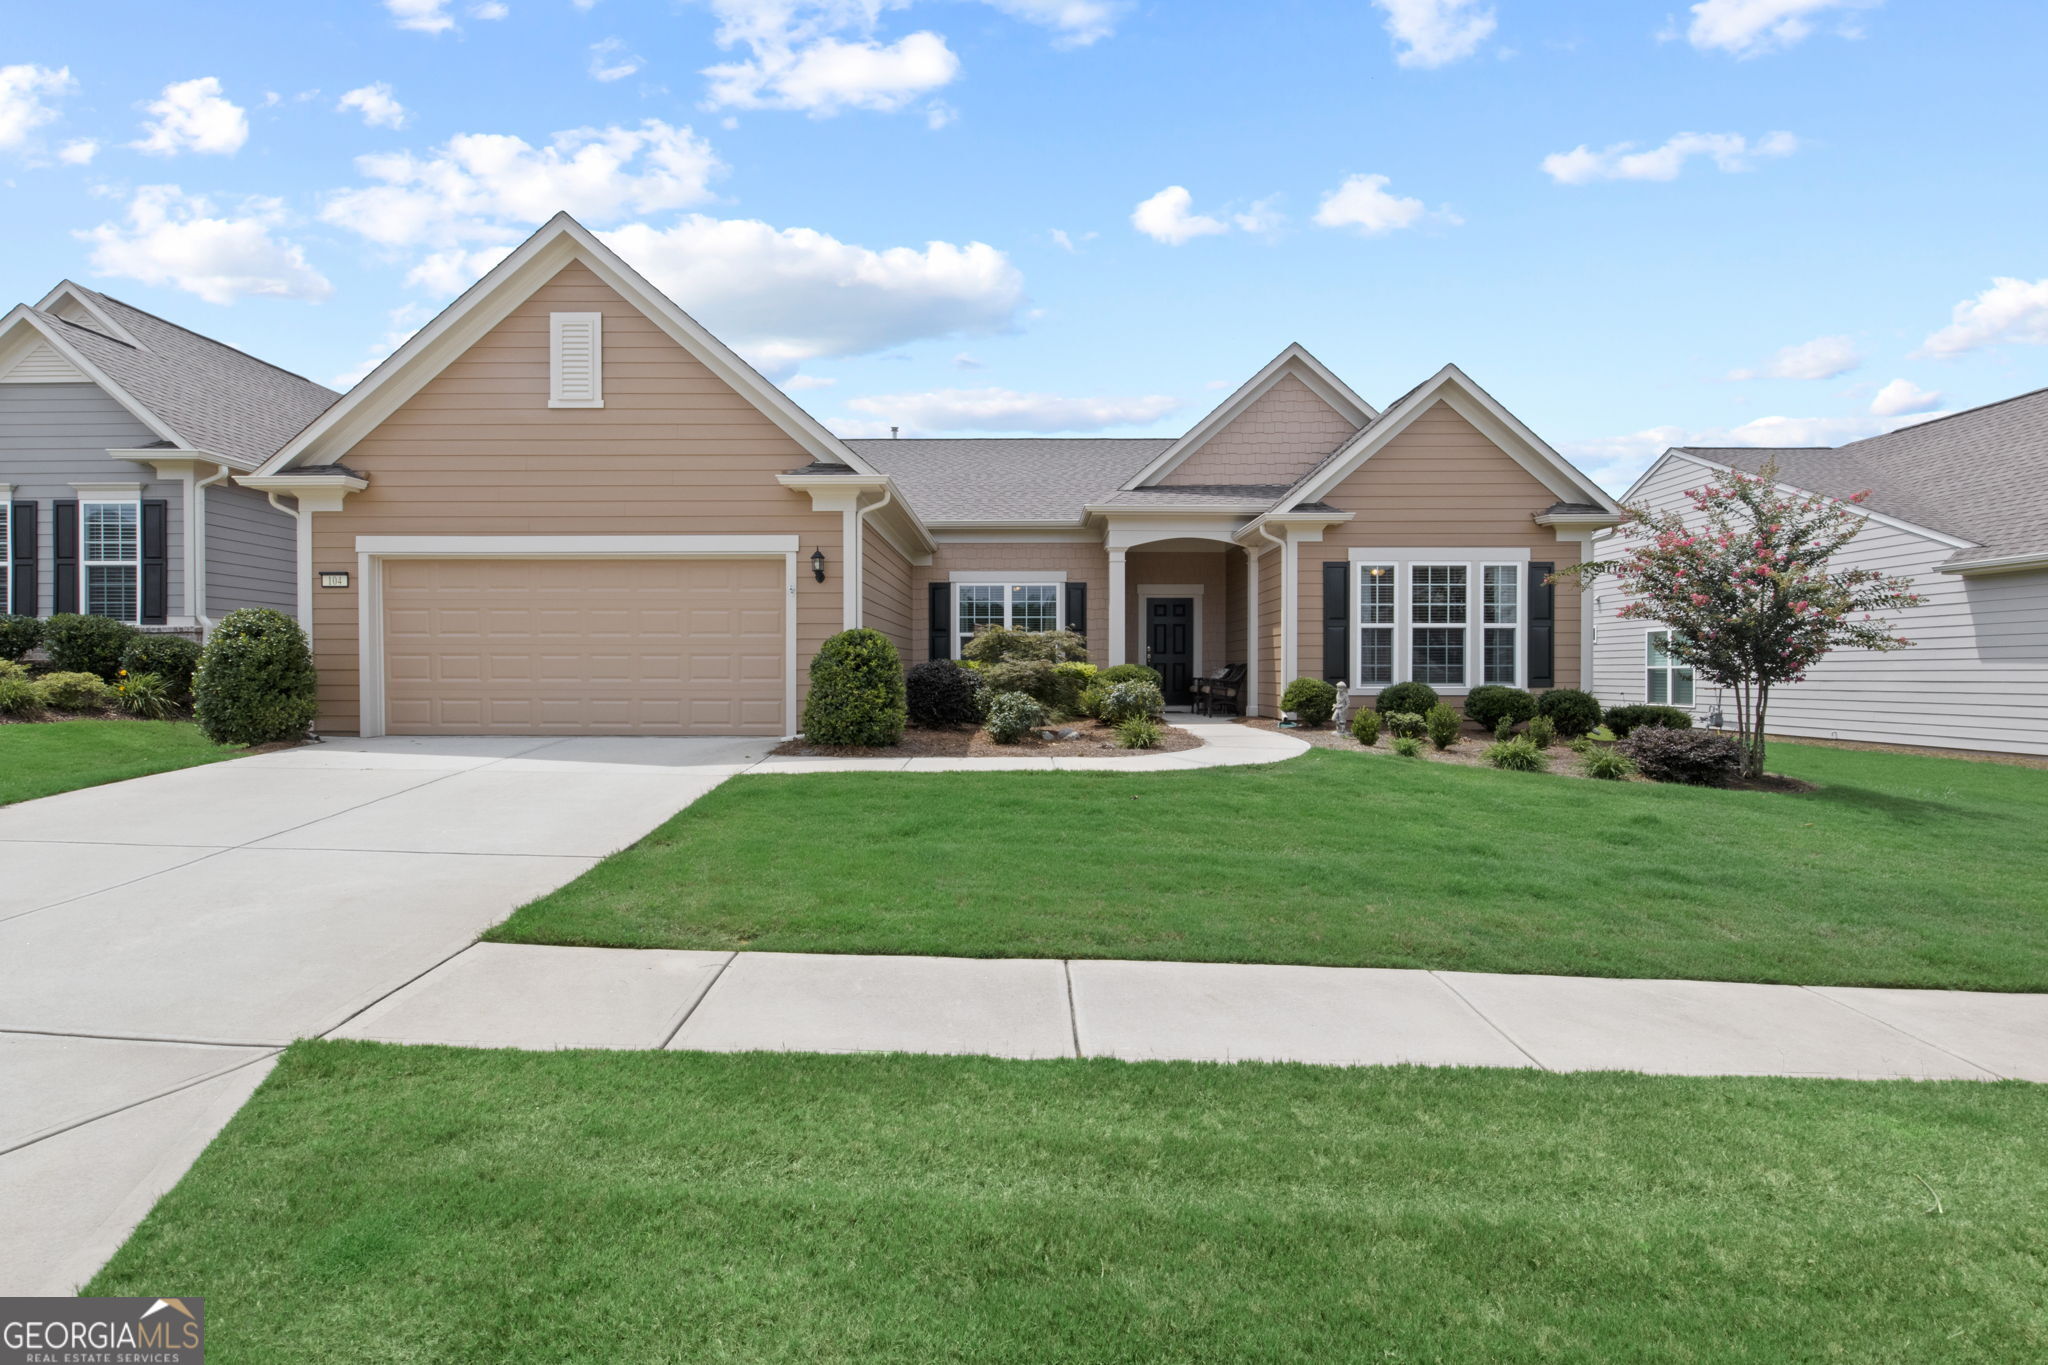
x: 563, y: 506
x: 119, y: 437
x: 1958, y: 504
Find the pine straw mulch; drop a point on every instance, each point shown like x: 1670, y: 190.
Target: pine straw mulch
x: 1096, y: 741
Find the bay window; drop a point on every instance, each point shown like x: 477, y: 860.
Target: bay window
x: 111, y: 562
x: 1019, y: 606
x: 1668, y: 679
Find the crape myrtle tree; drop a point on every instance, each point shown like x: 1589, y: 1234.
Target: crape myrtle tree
x: 1743, y: 582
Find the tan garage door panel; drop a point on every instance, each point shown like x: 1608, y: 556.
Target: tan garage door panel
x: 585, y: 646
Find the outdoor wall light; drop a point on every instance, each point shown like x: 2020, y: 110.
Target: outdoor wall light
x: 818, y: 565
x: 333, y: 580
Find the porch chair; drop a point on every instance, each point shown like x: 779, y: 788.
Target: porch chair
x: 1225, y: 686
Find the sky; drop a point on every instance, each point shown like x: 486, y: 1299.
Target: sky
x: 1740, y: 222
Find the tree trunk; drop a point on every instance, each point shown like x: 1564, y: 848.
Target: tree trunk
x: 1753, y: 757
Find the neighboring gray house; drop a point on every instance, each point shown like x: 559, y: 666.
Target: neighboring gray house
x: 1960, y: 505
x: 120, y: 435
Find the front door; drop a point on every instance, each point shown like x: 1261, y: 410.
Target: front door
x: 1170, y: 644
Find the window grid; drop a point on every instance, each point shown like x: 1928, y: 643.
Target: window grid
x: 1667, y: 679
x: 112, y: 561
x: 1432, y: 608
x: 1501, y: 611
x: 1376, y: 603
x: 1438, y: 609
x: 1440, y: 655
x: 1020, y: 606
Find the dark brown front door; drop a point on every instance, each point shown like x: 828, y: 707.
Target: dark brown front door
x: 1170, y: 644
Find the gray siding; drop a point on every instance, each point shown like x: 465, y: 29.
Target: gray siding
x: 55, y: 435
x: 251, y: 552
x: 1976, y: 676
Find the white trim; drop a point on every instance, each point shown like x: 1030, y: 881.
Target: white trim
x: 1015, y: 576
x: 1881, y: 518
x: 22, y: 315
x: 56, y: 369
x: 1498, y: 554
x: 2033, y: 559
x: 1475, y: 562
x: 1119, y: 626
x: 1294, y: 360
x: 66, y: 290
x: 1033, y: 536
x: 1253, y: 642
x: 1149, y: 592
x: 564, y: 333
x: 107, y: 495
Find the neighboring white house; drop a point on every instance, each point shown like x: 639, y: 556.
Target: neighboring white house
x: 1958, y: 504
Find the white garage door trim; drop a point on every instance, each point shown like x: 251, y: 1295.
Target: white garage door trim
x: 372, y: 551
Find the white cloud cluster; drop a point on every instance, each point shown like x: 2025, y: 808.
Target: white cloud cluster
x: 25, y: 95
x: 1821, y: 358
x: 2011, y: 311
x: 1363, y: 202
x: 610, y: 61
x: 193, y: 116
x: 1169, y: 217
x: 1615, y: 461
x: 378, y: 106
x: 995, y: 409
x: 1903, y: 396
x: 432, y: 16
x: 1621, y: 161
x: 182, y: 240
x: 79, y: 151
x: 1075, y: 23
x: 1751, y: 28
x: 1432, y: 33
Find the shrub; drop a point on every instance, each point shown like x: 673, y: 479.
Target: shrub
x: 75, y: 692
x: 1405, y: 724
x: 146, y: 696
x: 1504, y: 729
x: 1543, y: 732
x: 1517, y: 756
x: 1139, y: 732
x: 1131, y: 699
x: 172, y: 658
x: 11, y: 669
x: 1573, y: 712
x: 1312, y: 701
x: 1089, y: 703
x: 1412, y: 697
x: 1443, y: 724
x: 1000, y: 644
x: 857, y: 691
x: 1069, y: 681
x: 256, y: 683
x: 1122, y: 673
x: 18, y: 635
x: 1580, y: 745
x: 1013, y: 715
x: 1365, y: 728
x: 1608, y: 766
x: 19, y: 697
x: 87, y: 644
x: 1698, y: 758
x: 1622, y: 719
x: 1493, y: 705
x: 1408, y: 746
x: 1033, y: 677
x: 940, y: 694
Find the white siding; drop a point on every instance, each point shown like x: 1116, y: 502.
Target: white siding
x: 1976, y: 676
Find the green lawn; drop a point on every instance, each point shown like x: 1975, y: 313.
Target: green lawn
x: 1900, y: 871
x: 438, y: 1204
x: 42, y: 760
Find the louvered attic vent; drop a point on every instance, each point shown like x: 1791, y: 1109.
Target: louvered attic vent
x: 576, y: 360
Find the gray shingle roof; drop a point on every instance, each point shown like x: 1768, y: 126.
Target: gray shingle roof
x: 216, y: 397
x: 1196, y: 495
x: 1981, y: 475
x: 1009, y: 478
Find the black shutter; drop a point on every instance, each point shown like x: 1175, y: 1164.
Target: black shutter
x: 21, y: 544
x: 64, y: 556
x: 1336, y: 620
x: 942, y: 621
x: 156, y: 564
x: 1542, y: 626
x: 1077, y: 609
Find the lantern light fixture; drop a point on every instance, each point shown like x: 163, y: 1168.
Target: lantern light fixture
x: 818, y: 565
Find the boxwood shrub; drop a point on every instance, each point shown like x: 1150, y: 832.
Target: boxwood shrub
x: 19, y: 635
x: 1121, y: 673
x: 1365, y: 727
x: 856, y: 691
x: 1622, y: 719
x: 1573, y: 712
x: 940, y: 694
x: 1698, y: 758
x: 87, y: 644
x: 1035, y: 678
x: 1443, y: 724
x: 1405, y: 724
x: 1412, y: 698
x: 172, y: 658
x: 255, y: 683
x: 20, y: 697
x: 75, y: 692
x: 1312, y: 701
x: 1488, y: 706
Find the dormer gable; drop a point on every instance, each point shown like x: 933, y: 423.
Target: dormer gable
x: 1272, y: 430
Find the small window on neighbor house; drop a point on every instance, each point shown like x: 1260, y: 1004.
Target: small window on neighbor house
x: 1668, y: 678
x: 112, y: 560
x: 576, y: 360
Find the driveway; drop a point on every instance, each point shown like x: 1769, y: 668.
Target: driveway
x: 162, y: 938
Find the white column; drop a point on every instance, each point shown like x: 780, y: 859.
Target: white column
x: 1290, y: 607
x: 305, y: 567
x: 850, y: 569
x: 1255, y: 641
x: 1587, y: 617
x: 1116, y: 607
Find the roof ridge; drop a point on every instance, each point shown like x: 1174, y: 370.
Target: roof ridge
x: 1944, y: 417
x: 211, y: 341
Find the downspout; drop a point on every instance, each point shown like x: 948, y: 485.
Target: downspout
x: 859, y: 552
x: 195, y: 547
x: 305, y: 547
x: 1287, y: 586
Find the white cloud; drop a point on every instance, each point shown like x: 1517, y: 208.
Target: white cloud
x: 1432, y: 33
x: 447, y: 273
x: 1750, y: 28
x: 2011, y: 312
x: 1729, y: 152
x: 964, y: 361
x: 782, y: 296
x: 181, y: 240
x: 609, y: 61
x: 1261, y: 217
x: 830, y: 75
x: 1903, y: 396
x: 488, y: 9
x: 25, y: 95
x: 403, y: 322
x: 377, y: 105
x: 1076, y: 23
x: 485, y: 187
x: 1070, y: 242
x: 1167, y: 217
x: 1614, y: 462
x: 79, y: 151
x: 193, y: 116
x: 421, y: 16
x: 1821, y: 358
x: 797, y: 383
x: 1362, y: 202
x: 1008, y: 410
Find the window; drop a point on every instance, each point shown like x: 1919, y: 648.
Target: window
x: 1437, y: 615
x: 1020, y: 606
x: 7, y: 550
x: 1669, y: 679
x: 1501, y: 618
x: 112, y: 559
x: 1375, y: 625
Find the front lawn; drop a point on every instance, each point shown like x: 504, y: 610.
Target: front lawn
x: 62, y: 756
x: 1899, y: 871
x: 440, y: 1204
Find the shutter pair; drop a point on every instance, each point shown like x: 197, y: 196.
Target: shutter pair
x: 21, y: 549
x: 939, y: 640
x: 64, y: 561
x: 1337, y: 576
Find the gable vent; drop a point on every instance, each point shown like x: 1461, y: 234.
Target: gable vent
x: 40, y: 364
x: 576, y: 360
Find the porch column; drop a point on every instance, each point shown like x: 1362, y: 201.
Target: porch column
x: 1116, y: 607
x: 1254, y: 639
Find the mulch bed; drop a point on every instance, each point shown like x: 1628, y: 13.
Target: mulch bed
x: 1096, y: 741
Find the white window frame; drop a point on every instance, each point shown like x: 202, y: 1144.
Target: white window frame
x: 1671, y: 668
x: 86, y: 563
x: 1406, y: 601
x: 1475, y: 562
x: 1009, y: 583
x: 1514, y: 628
x: 1361, y: 572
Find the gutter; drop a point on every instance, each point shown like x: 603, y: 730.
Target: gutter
x: 2032, y: 559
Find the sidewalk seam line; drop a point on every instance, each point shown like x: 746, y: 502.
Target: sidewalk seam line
x: 136, y: 1037
x: 1073, y: 1011
x: 1512, y: 1041
x: 1908, y: 1033
x: 357, y: 1013
x: 147, y: 1099
x: 698, y: 1003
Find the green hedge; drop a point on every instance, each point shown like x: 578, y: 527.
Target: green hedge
x: 87, y: 644
x: 172, y: 658
x: 856, y: 692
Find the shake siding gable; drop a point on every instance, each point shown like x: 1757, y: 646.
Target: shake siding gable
x: 1277, y: 439
x: 478, y: 451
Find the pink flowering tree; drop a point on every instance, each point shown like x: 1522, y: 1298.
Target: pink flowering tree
x: 1743, y: 582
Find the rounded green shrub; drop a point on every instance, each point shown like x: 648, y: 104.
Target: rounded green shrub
x: 1069, y: 680
x: 939, y: 695
x: 1405, y: 724
x: 75, y: 692
x: 1013, y: 715
x: 87, y: 644
x: 20, y: 697
x: 1573, y: 712
x: 1089, y: 703
x: 1365, y: 727
x: 1542, y: 731
x: 1607, y: 765
x: 1697, y: 758
x: 1033, y: 677
x: 1443, y: 724
x: 1312, y: 701
x: 1517, y: 755
x: 145, y: 696
x: 172, y: 658
x: 1414, y: 698
x: 856, y: 692
x: 18, y: 635
x: 1119, y: 673
x: 255, y: 683
x: 1131, y: 700
x: 1622, y: 719
x: 1408, y: 746
x: 1493, y: 704
x: 1139, y: 732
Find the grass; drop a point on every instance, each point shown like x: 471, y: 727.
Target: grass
x: 438, y: 1204
x: 42, y: 760
x: 1898, y: 871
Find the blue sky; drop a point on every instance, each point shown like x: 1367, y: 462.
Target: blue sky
x: 978, y: 216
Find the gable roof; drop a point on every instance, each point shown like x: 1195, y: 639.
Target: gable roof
x: 1293, y: 361
x: 1050, y: 479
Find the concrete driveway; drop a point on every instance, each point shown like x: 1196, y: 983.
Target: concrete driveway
x: 162, y: 938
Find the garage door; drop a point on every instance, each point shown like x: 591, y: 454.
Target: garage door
x: 585, y: 646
